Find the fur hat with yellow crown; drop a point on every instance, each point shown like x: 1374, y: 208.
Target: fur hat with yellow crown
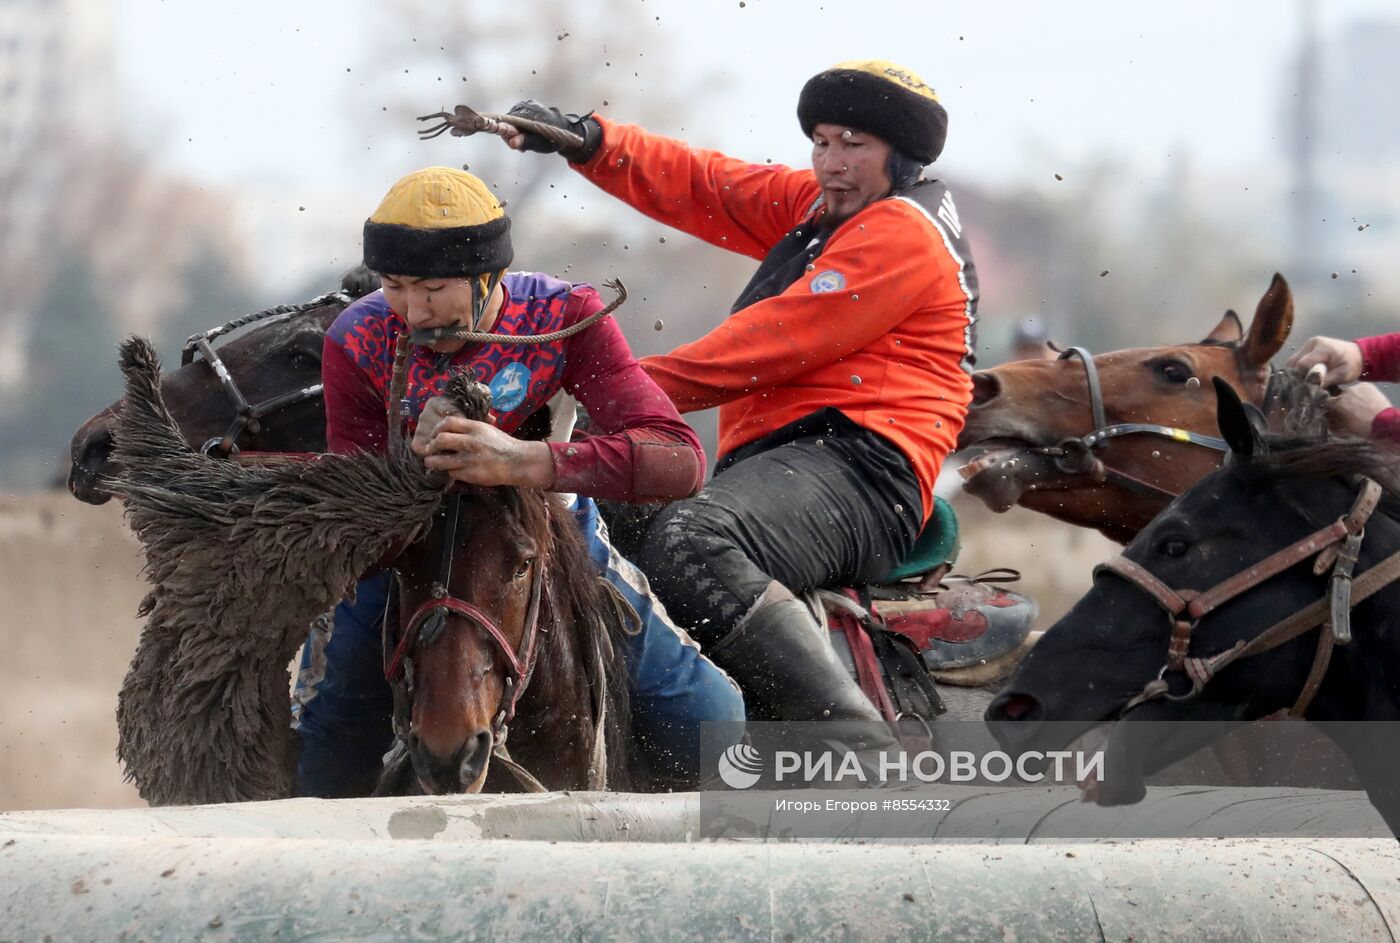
x: 879, y: 98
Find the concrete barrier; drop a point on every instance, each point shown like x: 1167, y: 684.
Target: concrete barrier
x: 605, y: 867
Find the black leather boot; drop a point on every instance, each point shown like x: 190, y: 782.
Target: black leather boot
x: 788, y: 672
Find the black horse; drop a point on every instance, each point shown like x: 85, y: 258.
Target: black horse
x: 259, y: 392
x: 1221, y: 611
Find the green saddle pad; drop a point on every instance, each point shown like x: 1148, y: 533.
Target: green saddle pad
x: 937, y: 543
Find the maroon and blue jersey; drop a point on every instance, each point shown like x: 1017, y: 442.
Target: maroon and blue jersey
x: 645, y: 450
x: 522, y: 377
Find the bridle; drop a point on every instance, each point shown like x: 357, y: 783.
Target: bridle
x: 248, y: 418
x: 1336, y: 547
x: 1075, y: 455
x: 430, y: 618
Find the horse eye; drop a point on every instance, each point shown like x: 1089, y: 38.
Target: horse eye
x: 524, y: 568
x: 305, y: 357
x: 1173, y: 547
x: 1174, y: 371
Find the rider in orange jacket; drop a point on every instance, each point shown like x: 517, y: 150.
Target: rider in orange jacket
x: 840, y: 373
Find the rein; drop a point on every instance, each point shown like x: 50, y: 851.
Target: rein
x: 249, y: 418
x: 433, y: 335
x: 1336, y: 547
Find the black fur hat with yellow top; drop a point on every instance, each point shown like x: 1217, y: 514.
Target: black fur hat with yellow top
x: 879, y: 98
x: 438, y: 223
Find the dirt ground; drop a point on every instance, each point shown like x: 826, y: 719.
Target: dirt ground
x: 70, y: 582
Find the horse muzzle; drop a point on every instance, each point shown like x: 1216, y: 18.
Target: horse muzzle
x: 463, y: 771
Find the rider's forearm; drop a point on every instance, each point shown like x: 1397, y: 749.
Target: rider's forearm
x: 629, y: 466
x: 534, y: 468
x: 1386, y: 425
x: 642, y: 449
x: 1380, y: 357
x: 734, y: 204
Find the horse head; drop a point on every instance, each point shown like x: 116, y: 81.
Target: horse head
x: 275, y: 368
x: 1073, y: 438
x: 485, y: 555
x: 502, y: 623
x: 1199, y: 619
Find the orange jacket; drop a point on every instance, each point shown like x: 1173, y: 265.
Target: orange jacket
x: 879, y: 329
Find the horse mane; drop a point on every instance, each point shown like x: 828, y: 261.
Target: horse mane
x: 1321, y: 456
x: 578, y: 589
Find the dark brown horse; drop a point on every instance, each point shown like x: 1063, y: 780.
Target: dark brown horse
x: 1103, y: 442
x: 499, y: 593
x: 527, y: 638
x: 259, y: 392
x: 1269, y: 586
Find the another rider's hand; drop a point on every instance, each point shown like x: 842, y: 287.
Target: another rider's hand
x: 1355, y: 409
x: 1342, y: 359
x: 585, y: 127
x: 477, y: 453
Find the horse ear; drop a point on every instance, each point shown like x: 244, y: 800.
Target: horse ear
x: 1273, y: 319
x: 1236, y: 426
x: 1228, y: 331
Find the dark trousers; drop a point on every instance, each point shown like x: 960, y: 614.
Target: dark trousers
x: 820, y: 502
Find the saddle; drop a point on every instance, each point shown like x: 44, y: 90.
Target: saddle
x: 924, y: 625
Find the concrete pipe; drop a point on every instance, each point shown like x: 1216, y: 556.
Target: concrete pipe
x: 424, y: 869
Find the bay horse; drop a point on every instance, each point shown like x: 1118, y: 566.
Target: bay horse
x: 258, y: 392
x: 1269, y: 586
x: 499, y: 621
x: 1107, y: 441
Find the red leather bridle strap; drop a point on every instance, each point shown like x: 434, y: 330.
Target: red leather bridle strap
x: 520, y: 666
x: 1195, y: 604
x: 451, y: 604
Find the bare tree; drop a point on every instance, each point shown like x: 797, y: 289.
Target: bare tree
x: 577, y: 55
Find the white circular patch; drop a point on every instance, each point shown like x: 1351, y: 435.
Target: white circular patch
x: 830, y: 280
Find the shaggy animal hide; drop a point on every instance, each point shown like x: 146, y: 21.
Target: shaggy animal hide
x: 241, y: 559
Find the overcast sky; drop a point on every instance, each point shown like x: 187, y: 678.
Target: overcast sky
x: 233, y: 92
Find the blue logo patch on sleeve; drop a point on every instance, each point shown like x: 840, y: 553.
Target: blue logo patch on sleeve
x: 830, y: 280
x: 509, y: 387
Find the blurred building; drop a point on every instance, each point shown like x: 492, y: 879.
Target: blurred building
x: 1341, y: 129
x: 57, y: 66
x: 1360, y: 160
x: 71, y: 183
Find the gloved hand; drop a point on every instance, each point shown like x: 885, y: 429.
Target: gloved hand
x: 585, y: 126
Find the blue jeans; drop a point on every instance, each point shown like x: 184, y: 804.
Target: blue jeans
x: 343, y: 706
